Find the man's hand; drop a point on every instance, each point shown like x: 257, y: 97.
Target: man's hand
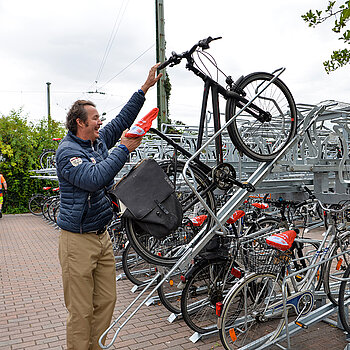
x: 131, y: 143
x: 152, y: 78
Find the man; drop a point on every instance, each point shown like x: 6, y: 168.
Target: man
x: 2, y: 184
x: 85, y: 171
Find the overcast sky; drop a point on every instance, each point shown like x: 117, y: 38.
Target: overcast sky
x: 66, y: 43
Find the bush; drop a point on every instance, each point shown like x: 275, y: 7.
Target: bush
x: 21, y: 143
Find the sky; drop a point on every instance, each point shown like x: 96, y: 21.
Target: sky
x: 102, y: 51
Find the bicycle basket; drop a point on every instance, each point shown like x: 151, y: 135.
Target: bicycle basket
x: 262, y: 259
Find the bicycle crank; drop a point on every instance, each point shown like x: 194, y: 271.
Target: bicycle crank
x: 224, y: 177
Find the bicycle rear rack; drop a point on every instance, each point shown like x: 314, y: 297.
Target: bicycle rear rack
x: 202, y: 238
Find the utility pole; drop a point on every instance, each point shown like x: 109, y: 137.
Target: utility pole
x: 48, y: 105
x: 160, y: 47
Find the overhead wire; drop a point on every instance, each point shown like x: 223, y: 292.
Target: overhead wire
x: 126, y: 67
x: 114, y: 32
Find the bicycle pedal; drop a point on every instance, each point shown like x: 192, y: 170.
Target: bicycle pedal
x: 301, y: 325
x: 298, y: 278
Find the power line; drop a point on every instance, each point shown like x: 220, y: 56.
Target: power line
x: 131, y: 63
x: 111, y: 38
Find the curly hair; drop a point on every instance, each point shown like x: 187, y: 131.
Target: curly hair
x: 77, y: 111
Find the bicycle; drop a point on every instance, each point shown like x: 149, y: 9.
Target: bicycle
x: 50, y: 206
x: 261, y: 131
x: 47, y: 158
x: 257, y: 308
x: 136, y: 269
x: 343, y: 301
x: 36, y: 201
x: 216, y: 271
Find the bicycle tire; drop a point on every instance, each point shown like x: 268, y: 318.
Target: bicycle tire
x: 47, y: 159
x: 35, y: 204
x: 302, y: 259
x: 46, y: 205
x: 136, y: 269
x: 336, y: 267
x: 207, y: 285
x: 243, y: 309
x: 118, y: 238
x: 56, y: 213
x: 55, y: 203
x: 262, y: 141
x: 344, y: 295
x: 165, y: 252
x: 169, y: 293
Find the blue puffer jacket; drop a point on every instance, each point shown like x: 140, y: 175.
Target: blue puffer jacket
x: 85, y: 170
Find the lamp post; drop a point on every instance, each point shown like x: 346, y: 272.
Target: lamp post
x: 48, y: 105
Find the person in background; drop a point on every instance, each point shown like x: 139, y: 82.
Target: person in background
x: 3, y: 187
x: 86, y: 171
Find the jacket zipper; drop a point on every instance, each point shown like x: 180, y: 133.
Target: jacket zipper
x: 85, y: 212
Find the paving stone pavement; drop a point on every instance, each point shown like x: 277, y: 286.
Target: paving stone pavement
x: 33, y: 315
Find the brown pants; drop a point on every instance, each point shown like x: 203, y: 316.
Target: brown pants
x: 89, y: 283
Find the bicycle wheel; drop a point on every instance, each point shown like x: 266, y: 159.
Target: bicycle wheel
x: 55, y: 203
x: 262, y: 140
x: 207, y: 284
x: 344, y: 299
x: 118, y: 238
x: 167, y: 251
x: 137, y: 270
x: 303, y: 251
x: 169, y: 293
x: 35, y: 204
x: 246, y: 316
x: 56, y: 213
x: 336, y: 267
x: 46, y: 205
x: 47, y: 159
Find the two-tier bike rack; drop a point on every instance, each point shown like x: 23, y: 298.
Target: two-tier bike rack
x: 203, y: 237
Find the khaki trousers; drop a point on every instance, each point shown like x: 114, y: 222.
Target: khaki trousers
x: 89, y: 284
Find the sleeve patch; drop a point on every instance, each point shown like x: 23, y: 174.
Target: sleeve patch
x: 75, y: 161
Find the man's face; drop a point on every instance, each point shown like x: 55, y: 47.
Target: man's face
x: 90, y: 129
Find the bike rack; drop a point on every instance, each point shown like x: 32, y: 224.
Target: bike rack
x: 198, y: 242
x: 203, y: 237
x: 261, y: 172
x: 314, y: 162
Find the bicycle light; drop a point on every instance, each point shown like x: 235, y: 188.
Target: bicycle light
x: 236, y: 273
x: 218, y: 308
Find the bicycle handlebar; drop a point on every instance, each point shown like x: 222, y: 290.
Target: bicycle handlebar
x: 175, y: 58
x: 331, y: 210
x: 307, y: 201
x: 278, y: 202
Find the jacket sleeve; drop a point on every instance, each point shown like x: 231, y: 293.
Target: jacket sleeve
x: 76, y: 168
x: 112, y: 132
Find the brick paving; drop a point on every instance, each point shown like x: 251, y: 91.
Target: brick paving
x: 32, y: 311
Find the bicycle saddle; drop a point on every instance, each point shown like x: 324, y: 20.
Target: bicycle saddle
x: 282, y: 241
x: 260, y: 205
x: 235, y: 216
